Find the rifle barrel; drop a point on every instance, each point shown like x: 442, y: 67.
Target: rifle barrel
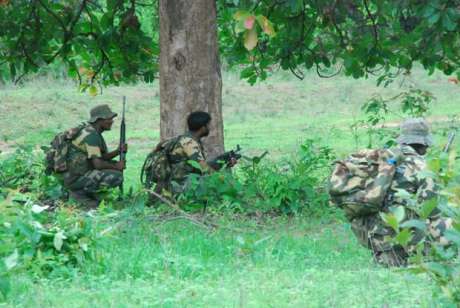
x: 450, y: 140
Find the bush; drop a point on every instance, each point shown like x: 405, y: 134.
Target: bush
x: 261, y: 187
x: 437, y: 258
x: 32, y: 238
x: 24, y: 171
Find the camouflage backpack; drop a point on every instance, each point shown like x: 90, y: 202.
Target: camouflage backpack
x: 157, y: 166
x: 57, y: 155
x: 359, y: 184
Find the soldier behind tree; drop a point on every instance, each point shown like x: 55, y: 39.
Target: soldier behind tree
x: 91, y: 165
x: 371, y: 230
x: 188, y: 147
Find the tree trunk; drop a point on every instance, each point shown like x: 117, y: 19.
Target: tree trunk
x: 190, y: 78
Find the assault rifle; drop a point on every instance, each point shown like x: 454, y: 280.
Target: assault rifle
x: 450, y: 140
x: 122, y: 139
x: 224, y: 159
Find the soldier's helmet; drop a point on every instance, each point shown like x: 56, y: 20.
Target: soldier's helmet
x: 415, y: 131
x: 101, y: 112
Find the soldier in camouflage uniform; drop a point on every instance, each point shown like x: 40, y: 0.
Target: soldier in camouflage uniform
x: 371, y: 230
x: 91, y: 165
x: 186, y: 148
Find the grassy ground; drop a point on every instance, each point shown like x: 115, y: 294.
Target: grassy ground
x: 297, y: 262
x: 282, y: 263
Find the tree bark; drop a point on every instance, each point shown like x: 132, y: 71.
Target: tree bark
x: 190, y: 77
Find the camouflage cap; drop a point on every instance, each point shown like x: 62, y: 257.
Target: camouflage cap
x: 101, y: 112
x: 415, y: 131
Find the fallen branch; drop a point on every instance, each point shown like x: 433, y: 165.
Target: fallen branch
x: 207, y: 225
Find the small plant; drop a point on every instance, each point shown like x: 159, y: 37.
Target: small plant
x: 261, y: 187
x: 412, y: 103
x: 24, y: 170
x: 437, y: 251
x: 33, y: 238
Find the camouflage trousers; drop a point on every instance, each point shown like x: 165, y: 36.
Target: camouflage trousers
x: 373, y: 234
x: 96, y: 180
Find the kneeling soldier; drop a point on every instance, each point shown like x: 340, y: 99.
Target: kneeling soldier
x: 90, y: 164
x: 173, y: 160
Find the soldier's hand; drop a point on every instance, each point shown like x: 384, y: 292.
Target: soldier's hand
x: 232, y: 162
x: 120, y: 165
x: 123, y: 148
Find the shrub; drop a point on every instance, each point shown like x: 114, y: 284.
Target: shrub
x: 32, y: 237
x: 261, y: 186
x: 440, y: 261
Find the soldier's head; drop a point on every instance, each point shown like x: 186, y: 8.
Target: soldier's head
x: 415, y: 132
x: 198, y: 123
x: 102, y: 117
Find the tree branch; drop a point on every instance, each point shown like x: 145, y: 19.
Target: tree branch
x: 374, y: 25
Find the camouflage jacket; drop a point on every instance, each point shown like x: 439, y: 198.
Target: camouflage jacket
x: 371, y: 230
x: 87, y: 145
x: 185, y: 149
x: 409, y: 177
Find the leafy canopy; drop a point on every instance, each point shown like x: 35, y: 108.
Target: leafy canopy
x: 109, y: 41
x: 331, y: 36
x: 99, y: 41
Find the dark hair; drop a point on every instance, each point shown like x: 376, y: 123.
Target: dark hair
x: 197, y: 120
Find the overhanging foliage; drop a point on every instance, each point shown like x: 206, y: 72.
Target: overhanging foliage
x: 110, y: 41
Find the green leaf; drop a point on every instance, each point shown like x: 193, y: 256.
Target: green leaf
x: 436, y: 268
x: 399, y: 213
x: 414, y: 223
x: 391, y: 220
x: 403, y: 237
x: 194, y: 164
x: 434, y: 164
x: 92, y: 90
x: 58, y: 240
x: 453, y: 236
x: 5, y: 285
x: 448, y: 23
x: 434, y: 18
x: 427, y: 207
x: 12, y: 260
x: 247, y: 72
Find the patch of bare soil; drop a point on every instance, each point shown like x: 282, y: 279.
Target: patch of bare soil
x: 5, y: 147
x: 431, y: 120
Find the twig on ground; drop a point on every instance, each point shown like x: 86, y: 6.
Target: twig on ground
x: 185, y: 215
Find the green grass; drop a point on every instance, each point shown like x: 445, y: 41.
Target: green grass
x: 296, y: 263
x: 303, y: 261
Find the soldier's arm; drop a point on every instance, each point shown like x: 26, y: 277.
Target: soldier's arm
x: 100, y: 163
x: 111, y: 155
x: 193, y: 151
x: 96, y: 157
x: 205, y: 167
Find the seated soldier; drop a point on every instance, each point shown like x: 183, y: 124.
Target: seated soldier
x: 371, y: 230
x: 186, y: 148
x: 91, y: 167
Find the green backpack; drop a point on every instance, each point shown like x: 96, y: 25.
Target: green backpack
x: 359, y: 184
x: 157, y: 165
x: 57, y: 155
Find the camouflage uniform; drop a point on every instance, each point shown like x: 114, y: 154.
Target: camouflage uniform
x: 373, y: 232
x: 81, y: 175
x: 185, y: 149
